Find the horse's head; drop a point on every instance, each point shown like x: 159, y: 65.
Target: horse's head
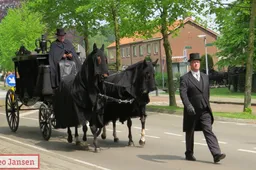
x: 99, y: 62
x: 146, y: 79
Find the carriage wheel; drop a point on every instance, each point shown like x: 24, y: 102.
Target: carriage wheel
x: 45, y: 121
x: 12, y: 110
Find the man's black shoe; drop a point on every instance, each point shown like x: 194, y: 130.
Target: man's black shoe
x: 219, y: 157
x: 190, y: 158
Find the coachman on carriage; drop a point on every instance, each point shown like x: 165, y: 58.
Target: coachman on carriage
x: 86, y: 96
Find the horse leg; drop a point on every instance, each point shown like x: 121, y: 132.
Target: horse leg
x: 84, y: 143
x: 142, y: 137
x: 78, y: 142
x: 96, y: 132
x: 104, y: 133
x: 70, y: 138
x: 129, y: 125
x: 114, y: 131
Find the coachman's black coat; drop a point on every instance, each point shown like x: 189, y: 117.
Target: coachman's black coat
x: 75, y: 101
x: 192, y: 92
x: 56, y: 53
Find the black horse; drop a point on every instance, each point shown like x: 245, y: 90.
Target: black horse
x: 76, y: 100
x: 127, y: 94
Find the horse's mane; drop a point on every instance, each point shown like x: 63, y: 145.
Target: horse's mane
x: 124, y: 78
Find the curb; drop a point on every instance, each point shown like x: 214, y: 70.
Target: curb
x: 216, y: 118
x: 235, y: 103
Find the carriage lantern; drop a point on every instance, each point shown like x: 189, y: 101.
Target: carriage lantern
x: 41, y: 44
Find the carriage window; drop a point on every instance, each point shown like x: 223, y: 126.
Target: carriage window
x: 134, y: 51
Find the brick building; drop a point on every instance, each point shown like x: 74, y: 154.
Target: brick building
x: 136, y: 49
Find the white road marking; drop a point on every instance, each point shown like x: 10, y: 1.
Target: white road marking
x: 111, y: 130
x: 226, y: 122
x: 28, y: 113
x: 173, y: 134
x: 241, y: 124
x: 164, y: 114
x: 219, y: 142
x: 28, y: 118
x: 155, y: 137
x: 54, y: 153
x: 196, y: 143
x: 136, y: 127
x: 245, y: 150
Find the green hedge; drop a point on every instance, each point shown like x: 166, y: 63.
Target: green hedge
x: 159, y: 80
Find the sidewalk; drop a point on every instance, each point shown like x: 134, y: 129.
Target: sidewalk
x: 218, y: 104
x: 213, y: 99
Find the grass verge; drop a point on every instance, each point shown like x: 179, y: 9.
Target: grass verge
x: 179, y: 110
x: 222, y: 92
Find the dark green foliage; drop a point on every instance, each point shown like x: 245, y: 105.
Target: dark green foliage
x: 210, y: 62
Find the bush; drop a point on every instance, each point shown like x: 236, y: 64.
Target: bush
x: 159, y: 80
x: 210, y: 62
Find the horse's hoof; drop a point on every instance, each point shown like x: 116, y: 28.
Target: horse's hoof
x: 142, y: 143
x: 70, y: 139
x: 78, y: 143
x: 103, y: 136
x: 116, y: 140
x: 131, y: 143
x: 97, y: 150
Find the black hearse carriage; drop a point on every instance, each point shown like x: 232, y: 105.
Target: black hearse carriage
x: 32, y: 76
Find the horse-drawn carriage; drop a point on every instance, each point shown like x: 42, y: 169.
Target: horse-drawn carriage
x: 32, y: 78
x: 81, y: 98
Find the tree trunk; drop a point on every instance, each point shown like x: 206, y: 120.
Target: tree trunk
x: 168, y: 53
x: 86, y: 40
x: 117, y: 35
x: 249, y: 64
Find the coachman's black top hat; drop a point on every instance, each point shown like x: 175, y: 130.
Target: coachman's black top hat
x: 194, y: 56
x: 60, y: 32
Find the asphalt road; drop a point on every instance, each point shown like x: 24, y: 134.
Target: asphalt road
x: 164, y: 147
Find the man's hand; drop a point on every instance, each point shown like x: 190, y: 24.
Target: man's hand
x: 69, y: 55
x: 191, y: 110
x: 65, y: 56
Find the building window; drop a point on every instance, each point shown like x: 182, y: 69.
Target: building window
x: 155, y: 48
x: 134, y: 51
x: 128, y: 51
x: 149, y: 48
x: 123, y: 52
x: 141, y: 49
x: 111, y: 54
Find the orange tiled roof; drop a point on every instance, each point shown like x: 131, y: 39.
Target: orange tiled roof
x: 175, y: 25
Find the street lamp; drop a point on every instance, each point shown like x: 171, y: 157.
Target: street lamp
x: 206, y: 58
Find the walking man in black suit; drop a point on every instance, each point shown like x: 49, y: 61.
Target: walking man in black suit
x: 194, y: 93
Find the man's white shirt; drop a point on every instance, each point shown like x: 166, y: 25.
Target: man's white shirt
x: 196, y: 75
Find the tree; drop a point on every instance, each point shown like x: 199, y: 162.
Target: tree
x: 203, y: 64
x: 79, y: 15
x: 236, y: 43
x: 150, y: 16
x: 19, y: 27
x: 249, y: 64
x: 233, y: 21
x: 114, y: 12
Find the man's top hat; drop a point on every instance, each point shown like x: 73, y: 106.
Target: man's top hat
x: 60, y: 32
x: 194, y: 56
